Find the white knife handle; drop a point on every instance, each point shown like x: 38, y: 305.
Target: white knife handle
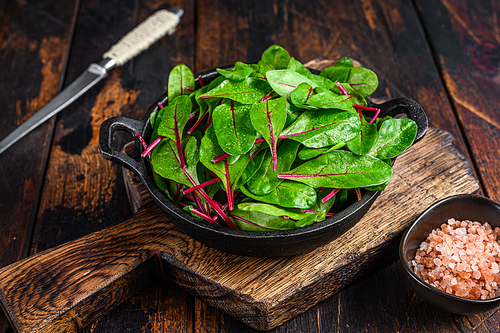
x: 143, y: 36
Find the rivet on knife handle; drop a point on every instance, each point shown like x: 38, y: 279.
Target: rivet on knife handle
x: 144, y: 35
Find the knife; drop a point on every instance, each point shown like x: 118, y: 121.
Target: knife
x: 142, y: 37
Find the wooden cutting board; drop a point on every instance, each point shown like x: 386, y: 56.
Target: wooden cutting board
x: 68, y: 287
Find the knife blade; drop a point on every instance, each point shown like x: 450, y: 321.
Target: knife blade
x: 136, y: 41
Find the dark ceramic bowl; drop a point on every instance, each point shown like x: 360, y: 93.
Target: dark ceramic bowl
x: 460, y: 207
x: 268, y: 243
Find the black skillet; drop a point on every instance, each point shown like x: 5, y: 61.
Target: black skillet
x: 263, y: 244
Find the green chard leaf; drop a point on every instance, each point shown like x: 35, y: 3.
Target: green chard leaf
x: 339, y: 71
x: 276, y: 56
x: 228, y: 170
x: 239, y: 73
x: 340, y: 169
x: 310, y: 219
x: 180, y: 77
x: 265, y: 180
x: 250, y: 90
x: 166, y: 161
x: 257, y: 221
x: 268, y: 118
x: 308, y: 153
x: 273, y: 210
x: 233, y: 127
x: 321, y: 129
x: 329, y: 100
x: 297, y: 66
x: 284, y: 81
x: 363, y: 80
x: 300, y: 95
x: 287, y: 194
x: 174, y: 118
x: 395, y: 136
x: 363, y: 142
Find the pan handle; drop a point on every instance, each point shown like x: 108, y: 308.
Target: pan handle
x: 106, y: 131
x: 411, y: 109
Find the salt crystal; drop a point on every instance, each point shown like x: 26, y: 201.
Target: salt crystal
x: 465, y: 255
x: 494, y: 266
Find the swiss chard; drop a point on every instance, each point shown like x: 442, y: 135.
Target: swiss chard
x: 272, y: 145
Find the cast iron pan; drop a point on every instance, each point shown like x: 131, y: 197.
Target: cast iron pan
x: 263, y: 244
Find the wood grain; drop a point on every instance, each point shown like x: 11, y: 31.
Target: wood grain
x: 401, y: 43
x: 32, y: 69
x: 57, y: 289
x: 468, y: 49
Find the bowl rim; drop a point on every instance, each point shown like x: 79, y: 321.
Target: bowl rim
x: 404, y: 239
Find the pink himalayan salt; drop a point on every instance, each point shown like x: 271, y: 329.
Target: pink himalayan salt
x: 461, y: 258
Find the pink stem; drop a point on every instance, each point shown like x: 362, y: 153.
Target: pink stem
x: 197, y: 187
x: 229, y: 191
x: 361, y: 107
x: 375, y: 116
x: 368, y: 108
x: 161, y: 106
x: 220, y: 158
x: 189, y: 89
x: 196, y: 124
x: 267, y: 97
x: 256, y: 151
x: 205, y: 216
x: 143, y: 142
x: 342, y: 89
x: 330, y: 195
x: 214, y: 204
x: 151, y: 146
x: 201, y: 81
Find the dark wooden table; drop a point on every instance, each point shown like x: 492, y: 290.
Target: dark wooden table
x: 55, y: 186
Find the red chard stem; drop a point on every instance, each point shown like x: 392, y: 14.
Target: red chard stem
x: 151, y: 146
x: 342, y: 89
x: 220, y: 158
x: 330, y: 195
x: 196, y: 123
x: 375, y: 116
x: 197, y: 187
x: 143, y: 142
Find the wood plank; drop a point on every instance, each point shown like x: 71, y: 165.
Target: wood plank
x: 53, y: 289
x: 465, y: 37
x: 83, y: 192
x: 31, y: 72
x: 467, y: 45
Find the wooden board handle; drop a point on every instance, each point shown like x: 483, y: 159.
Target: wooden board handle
x: 71, y: 285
